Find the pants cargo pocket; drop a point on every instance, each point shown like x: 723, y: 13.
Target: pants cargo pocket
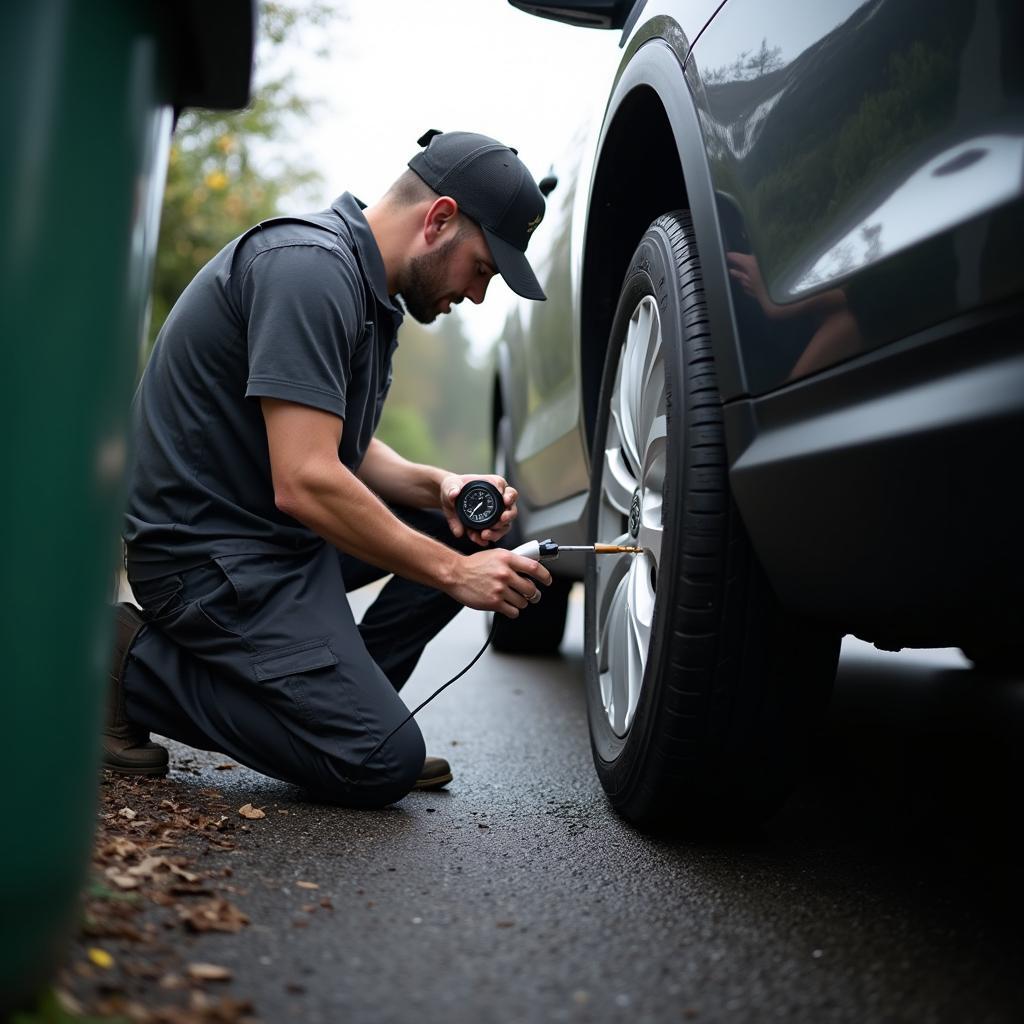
x: 298, y: 672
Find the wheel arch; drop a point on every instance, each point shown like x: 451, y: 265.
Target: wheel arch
x: 651, y: 160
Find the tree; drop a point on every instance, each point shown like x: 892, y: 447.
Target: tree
x: 439, y: 404
x: 228, y: 171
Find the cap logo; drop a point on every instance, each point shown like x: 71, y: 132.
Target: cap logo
x: 533, y: 224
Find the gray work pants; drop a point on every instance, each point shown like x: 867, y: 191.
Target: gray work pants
x: 260, y: 658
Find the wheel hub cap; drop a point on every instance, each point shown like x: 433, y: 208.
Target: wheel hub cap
x: 634, y: 514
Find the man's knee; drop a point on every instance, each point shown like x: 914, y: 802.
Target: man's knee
x: 387, y: 777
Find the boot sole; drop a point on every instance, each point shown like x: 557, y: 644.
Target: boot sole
x: 119, y: 770
x: 441, y: 780
x: 134, y: 769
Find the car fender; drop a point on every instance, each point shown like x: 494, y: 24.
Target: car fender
x: 651, y: 70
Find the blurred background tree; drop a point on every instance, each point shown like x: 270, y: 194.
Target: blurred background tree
x: 438, y: 410
x: 228, y: 171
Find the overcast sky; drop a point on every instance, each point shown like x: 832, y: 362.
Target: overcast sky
x: 398, y: 67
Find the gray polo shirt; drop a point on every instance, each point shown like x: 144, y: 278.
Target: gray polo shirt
x: 295, y: 309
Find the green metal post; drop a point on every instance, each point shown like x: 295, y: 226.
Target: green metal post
x: 86, y: 123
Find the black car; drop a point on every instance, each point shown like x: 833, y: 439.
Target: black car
x: 782, y: 352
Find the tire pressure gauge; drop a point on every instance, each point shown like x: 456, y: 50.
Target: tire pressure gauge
x: 479, y: 505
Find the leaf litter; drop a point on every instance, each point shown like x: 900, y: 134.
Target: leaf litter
x: 145, y: 895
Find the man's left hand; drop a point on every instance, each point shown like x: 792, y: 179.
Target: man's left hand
x: 450, y: 488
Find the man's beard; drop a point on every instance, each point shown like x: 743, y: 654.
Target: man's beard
x: 424, y: 284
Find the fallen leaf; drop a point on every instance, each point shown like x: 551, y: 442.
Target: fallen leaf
x: 250, y: 812
x: 119, y: 847
x: 224, y: 767
x: 68, y: 1003
x: 100, y: 957
x: 123, y: 881
x: 188, y: 876
x: 148, y: 867
x: 307, y: 885
x: 216, y: 915
x: 127, y: 812
x: 208, y: 972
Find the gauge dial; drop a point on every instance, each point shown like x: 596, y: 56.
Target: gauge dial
x: 479, y: 505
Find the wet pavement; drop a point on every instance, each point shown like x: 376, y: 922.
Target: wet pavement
x: 887, y: 890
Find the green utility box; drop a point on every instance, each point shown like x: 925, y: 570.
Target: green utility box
x: 90, y: 92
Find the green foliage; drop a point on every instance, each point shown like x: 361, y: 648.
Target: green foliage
x: 438, y: 410
x: 434, y: 376
x: 746, y: 66
x: 891, y: 121
x: 405, y: 429
x: 819, y: 183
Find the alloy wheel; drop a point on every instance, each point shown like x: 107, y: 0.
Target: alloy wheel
x: 631, y: 502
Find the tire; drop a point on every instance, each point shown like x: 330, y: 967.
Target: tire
x: 701, y: 693
x: 539, y: 628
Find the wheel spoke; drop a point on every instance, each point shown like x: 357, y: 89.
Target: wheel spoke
x: 618, y: 482
x: 629, y: 383
x: 641, y: 598
x: 650, y: 539
x: 610, y: 573
x: 637, y: 658
x: 655, y: 445
x: 652, y: 502
x: 615, y: 641
x: 651, y: 389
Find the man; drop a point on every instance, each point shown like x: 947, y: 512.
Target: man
x: 259, y: 495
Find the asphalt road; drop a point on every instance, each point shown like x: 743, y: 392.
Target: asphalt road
x: 887, y: 890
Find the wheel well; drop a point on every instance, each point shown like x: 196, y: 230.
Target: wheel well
x: 638, y: 178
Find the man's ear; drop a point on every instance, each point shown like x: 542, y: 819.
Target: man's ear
x: 439, y: 222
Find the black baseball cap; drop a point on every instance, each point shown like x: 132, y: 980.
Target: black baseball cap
x: 493, y: 187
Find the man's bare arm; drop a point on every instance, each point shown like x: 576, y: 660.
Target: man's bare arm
x: 312, y: 486
x: 399, y: 481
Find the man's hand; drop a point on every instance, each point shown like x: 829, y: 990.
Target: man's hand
x: 743, y: 268
x: 496, y: 581
x: 452, y: 485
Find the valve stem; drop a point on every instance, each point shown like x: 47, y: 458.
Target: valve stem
x: 602, y: 549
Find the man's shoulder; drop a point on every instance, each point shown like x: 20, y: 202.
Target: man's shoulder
x: 299, y: 253
x: 318, y: 230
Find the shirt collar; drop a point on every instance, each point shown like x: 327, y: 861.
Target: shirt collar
x: 350, y: 210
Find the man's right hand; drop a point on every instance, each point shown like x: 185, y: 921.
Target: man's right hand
x: 496, y: 581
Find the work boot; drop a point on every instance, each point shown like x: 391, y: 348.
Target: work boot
x: 436, y: 773
x: 127, y: 748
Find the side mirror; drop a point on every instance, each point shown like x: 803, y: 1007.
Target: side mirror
x: 586, y: 13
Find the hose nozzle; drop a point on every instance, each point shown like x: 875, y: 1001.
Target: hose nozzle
x: 546, y: 550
